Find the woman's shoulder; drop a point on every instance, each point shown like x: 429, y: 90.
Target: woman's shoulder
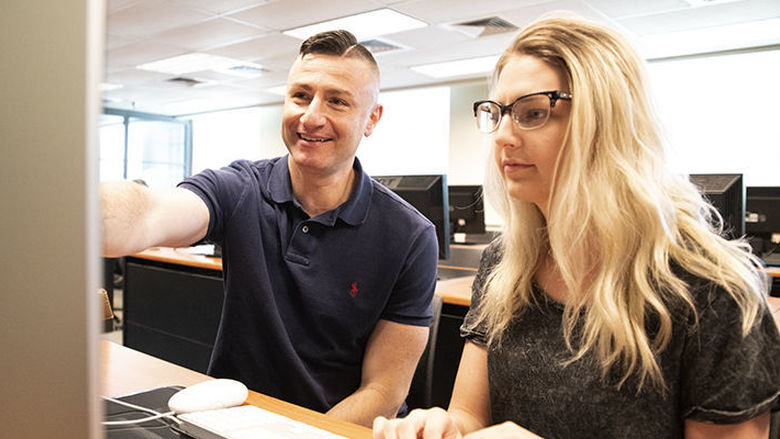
x: 491, y: 255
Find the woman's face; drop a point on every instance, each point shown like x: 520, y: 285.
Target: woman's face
x: 526, y: 158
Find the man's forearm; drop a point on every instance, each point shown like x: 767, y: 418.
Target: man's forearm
x: 123, y: 204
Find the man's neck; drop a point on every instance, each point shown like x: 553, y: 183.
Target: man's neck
x: 319, y: 194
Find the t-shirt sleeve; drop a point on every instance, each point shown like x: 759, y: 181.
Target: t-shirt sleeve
x: 221, y: 190
x: 410, y: 302
x: 472, y: 329
x: 728, y: 378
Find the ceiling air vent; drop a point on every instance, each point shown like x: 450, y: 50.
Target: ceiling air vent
x: 245, y: 70
x: 187, y: 82
x: 376, y: 46
x: 484, y: 27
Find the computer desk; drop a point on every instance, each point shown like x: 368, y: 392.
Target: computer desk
x: 125, y: 371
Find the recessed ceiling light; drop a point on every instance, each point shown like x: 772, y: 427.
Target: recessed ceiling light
x: 198, y: 62
x: 364, y: 26
x: 470, y: 66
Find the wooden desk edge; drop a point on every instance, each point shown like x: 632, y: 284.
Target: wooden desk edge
x: 173, y: 256
x: 456, y: 291
x: 125, y: 371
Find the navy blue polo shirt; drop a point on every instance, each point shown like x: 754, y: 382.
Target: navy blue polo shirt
x: 302, y: 295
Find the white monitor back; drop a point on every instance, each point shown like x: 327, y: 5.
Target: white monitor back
x: 51, y: 61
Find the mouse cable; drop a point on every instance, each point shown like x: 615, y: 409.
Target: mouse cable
x: 155, y: 414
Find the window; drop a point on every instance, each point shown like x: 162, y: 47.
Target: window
x: 156, y: 149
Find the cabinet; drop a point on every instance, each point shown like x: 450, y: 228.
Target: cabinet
x: 172, y: 311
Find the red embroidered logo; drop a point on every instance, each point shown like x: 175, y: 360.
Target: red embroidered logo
x: 354, y: 289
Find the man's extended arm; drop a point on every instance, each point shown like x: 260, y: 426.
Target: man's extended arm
x: 391, y: 357
x: 136, y: 217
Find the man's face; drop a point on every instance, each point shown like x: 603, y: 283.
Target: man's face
x: 330, y: 104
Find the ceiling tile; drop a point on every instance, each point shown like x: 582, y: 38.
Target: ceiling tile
x: 288, y: 14
x: 131, y: 77
x: 428, y: 37
x: 623, y: 8
x: 258, y: 49
x: 139, y: 53
x: 264, y: 81
x: 208, y: 34
x: 705, y: 16
x: 117, y: 41
x: 115, y: 5
x: 445, y: 11
x: 222, y: 6
x: 149, y: 17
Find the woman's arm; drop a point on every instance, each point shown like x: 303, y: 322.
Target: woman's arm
x: 470, y: 402
x: 469, y: 407
x: 756, y: 428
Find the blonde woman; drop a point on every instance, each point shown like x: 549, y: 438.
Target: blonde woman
x: 610, y: 307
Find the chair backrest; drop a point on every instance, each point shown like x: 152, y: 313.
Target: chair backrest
x: 421, y: 389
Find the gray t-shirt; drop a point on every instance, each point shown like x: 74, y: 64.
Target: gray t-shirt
x: 712, y: 374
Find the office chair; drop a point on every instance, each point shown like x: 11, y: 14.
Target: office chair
x: 421, y: 390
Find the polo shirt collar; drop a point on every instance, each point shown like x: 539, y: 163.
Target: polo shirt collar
x: 279, y: 183
x: 353, y: 211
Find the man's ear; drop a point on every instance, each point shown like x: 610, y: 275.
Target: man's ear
x: 373, y: 119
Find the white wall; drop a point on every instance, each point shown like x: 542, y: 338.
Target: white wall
x: 413, y: 135
x: 222, y: 137
x: 721, y: 114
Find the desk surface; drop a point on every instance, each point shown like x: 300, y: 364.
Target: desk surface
x: 125, y: 371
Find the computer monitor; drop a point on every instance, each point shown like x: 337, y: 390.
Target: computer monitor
x: 726, y: 193
x: 762, y: 219
x: 762, y: 210
x: 467, y: 210
x: 428, y: 194
x: 50, y: 310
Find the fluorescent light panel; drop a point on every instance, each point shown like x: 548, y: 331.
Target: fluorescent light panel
x: 470, y: 66
x: 364, y: 26
x: 198, y: 62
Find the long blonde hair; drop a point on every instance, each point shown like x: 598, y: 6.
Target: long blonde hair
x: 618, y: 217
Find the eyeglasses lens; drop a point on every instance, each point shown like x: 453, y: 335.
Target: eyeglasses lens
x: 531, y: 112
x: 488, y: 116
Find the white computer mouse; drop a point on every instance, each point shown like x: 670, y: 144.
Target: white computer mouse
x: 208, y: 395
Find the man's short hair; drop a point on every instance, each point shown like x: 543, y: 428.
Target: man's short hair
x: 337, y: 43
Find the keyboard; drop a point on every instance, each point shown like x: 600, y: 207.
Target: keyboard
x: 245, y: 422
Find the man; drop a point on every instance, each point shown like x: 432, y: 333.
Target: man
x: 328, y: 275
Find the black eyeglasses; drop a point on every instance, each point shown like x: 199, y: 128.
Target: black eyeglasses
x: 529, y: 112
